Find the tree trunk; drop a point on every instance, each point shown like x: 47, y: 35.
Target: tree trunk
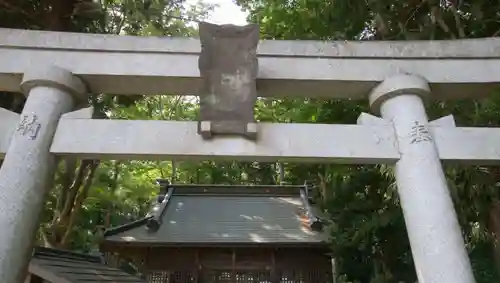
x: 59, y: 16
x: 73, y: 193
x: 281, y: 173
x: 174, y: 172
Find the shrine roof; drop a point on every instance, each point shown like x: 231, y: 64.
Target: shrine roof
x: 60, y: 266
x: 196, y: 215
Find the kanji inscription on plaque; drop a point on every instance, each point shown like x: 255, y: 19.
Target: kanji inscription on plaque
x: 29, y: 126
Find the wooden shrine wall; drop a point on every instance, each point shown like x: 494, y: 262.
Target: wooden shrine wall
x: 237, y: 265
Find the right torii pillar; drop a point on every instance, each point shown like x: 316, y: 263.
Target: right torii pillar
x: 435, y: 236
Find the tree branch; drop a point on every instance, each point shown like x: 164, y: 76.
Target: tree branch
x: 458, y: 24
x: 438, y: 19
x: 73, y: 191
x: 67, y: 178
x: 47, y: 241
x: 82, y: 195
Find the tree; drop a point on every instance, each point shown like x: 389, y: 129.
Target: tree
x: 368, y: 232
x: 361, y: 199
x: 74, y: 188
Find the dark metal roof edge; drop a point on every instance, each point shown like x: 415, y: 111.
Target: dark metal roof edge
x: 59, y: 253
x: 52, y: 273
x: 122, y: 228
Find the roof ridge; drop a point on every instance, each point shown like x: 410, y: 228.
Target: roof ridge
x: 165, y: 182
x: 234, y: 190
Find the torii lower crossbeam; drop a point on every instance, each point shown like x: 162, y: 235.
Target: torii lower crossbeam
x: 371, y: 142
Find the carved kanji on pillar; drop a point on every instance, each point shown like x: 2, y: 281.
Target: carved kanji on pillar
x: 228, y: 65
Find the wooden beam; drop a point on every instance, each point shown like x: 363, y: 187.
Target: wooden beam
x: 151, y: 65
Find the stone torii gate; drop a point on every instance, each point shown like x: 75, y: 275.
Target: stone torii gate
x: 56, y: 71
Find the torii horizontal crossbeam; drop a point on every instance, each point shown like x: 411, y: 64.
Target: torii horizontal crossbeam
x: 125, y: 139
x: 348, y: 144
x: 163, y: 65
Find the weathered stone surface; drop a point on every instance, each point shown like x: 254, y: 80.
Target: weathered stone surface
x: 128, y: 65
x: 287, y: 142
x: 228, y: 65
x: 28, y: 168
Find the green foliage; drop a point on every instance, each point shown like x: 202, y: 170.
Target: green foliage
x: 368, y: 232
x: 90, y: 195
x: 368, y: 235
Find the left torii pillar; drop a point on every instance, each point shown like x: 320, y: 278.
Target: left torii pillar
x: 28, y: 168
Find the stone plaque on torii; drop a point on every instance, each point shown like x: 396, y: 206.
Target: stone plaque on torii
x: 56, y: 71
x: 228, y: 66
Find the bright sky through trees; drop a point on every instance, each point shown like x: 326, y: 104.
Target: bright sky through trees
x: 226, y: 12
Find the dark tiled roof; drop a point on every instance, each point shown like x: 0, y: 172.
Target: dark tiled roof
x: 198, y: 214
x: 57, y: 266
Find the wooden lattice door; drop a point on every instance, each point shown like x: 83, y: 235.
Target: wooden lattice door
x: 304, y: 276
x: 172, y: 277
x: 254, y: 276
x: 238, y: 276
x: 216, y: 276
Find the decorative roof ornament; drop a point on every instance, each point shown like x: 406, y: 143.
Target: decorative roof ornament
x: 228, y: 66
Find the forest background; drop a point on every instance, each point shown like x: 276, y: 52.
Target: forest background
x: 369, y: 238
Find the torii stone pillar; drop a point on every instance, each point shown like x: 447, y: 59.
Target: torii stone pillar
x: 433, y: 229
x: 28, y: 168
